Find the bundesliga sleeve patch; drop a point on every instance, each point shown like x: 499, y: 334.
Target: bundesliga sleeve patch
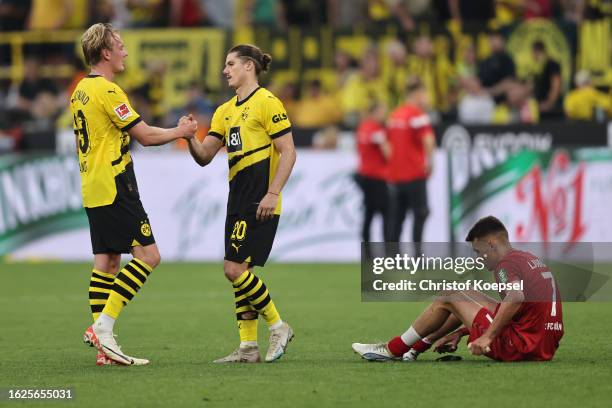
x: 123, y: 111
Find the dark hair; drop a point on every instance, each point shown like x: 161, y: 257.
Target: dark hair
x: 539, y: 46
x: 247, y: 51
x: 485, y: 226
x: 414, y: 84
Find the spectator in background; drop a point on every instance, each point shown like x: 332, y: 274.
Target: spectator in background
x: 476, y: 106
x: 395, y: 71
x: 434, y: 71
x: 467, y: 65
x: 316, y: 108
x: 102, y: 11
x: 585, y: 102
x: 344, y: 67
x: 537, y: 9
x: 11, y: 129
x: 421, y: 64
x: 199, y: 106
x: 219, y: 13
x: 403, y: 12
x: 507, y: 12
x: 185, y: 13
x: 262, y: 13
x: 49, y: 14
x: 304, y: 13
x: 148, y: 96
x: 498, y: 70
x: 363, y: 88
x: 348, y: 13
x: 410, y: 164
x: 519, y: 106
x: 39, y: 128
x: 547, y: 83
x: 288, y: 93
x: 148, y: 13
x: 572, y: 11
x: 13, y: 14
x: 471, y: 11
x: 374, y: 151
x: 33, y: 85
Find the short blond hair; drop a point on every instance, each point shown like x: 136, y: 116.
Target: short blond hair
x: 98, y: 37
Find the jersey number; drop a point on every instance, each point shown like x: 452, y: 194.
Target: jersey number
x: 81, y: 133
x: 239, y: 230
x: 548, y: 275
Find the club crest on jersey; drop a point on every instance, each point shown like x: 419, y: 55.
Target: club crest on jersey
x: 123, y: 111
x: 245, y: 113
x: 503, y: 276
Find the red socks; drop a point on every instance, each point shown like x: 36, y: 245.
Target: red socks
x: 421, y: 345
x: 397, y: 347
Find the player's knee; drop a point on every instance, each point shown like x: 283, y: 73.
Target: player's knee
x: 445, y: 296
x: 113, y: 264
x: 232, y: 270
x: 250, y: 315
x: 149, y: 255
x: 154, y: 259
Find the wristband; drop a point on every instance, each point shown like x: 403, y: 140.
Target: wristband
x: 269, y: 192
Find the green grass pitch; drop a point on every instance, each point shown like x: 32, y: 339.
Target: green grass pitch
x: 183, y: 319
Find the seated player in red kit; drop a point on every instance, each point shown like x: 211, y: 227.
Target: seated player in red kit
x: 526, y: 325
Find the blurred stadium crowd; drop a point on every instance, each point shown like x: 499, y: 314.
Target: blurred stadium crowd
x: 462, y: 50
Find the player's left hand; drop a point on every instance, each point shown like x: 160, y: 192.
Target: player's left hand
x: 481, y: 345
x: 266, y: 207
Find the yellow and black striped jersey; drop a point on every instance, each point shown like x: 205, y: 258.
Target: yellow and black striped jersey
x: 247, y: 128
x: 102, y: 116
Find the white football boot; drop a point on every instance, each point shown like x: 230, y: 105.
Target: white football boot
x: 243, y: 354
x: 374, y: 352
x: 106, y: 343
x: 279, y: 339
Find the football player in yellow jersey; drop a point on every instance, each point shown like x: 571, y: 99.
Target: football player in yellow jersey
x: 257, y: 133
x: 104, y: 121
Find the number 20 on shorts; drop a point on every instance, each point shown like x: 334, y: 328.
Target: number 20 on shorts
x: 239, y: 230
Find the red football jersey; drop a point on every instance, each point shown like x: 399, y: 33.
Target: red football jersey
x: 406, y: 127
x: 372, y: 163
x: 537, y: 327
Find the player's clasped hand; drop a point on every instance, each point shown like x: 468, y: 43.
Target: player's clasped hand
x: 189, y: 125
x: 480, y: 346
x: 448, y: 343
x: 266, y: 207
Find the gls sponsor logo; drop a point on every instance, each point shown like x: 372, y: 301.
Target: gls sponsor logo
x: 279, y: 117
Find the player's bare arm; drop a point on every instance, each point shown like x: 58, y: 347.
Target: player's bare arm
x: 203, y: 152
x: 286, y: 148
x: 385, y: 148
x: 429, y: 142
x: 154, y: 136
x: 508, y: 308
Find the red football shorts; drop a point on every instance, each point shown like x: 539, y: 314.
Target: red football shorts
x: 502, y: 347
